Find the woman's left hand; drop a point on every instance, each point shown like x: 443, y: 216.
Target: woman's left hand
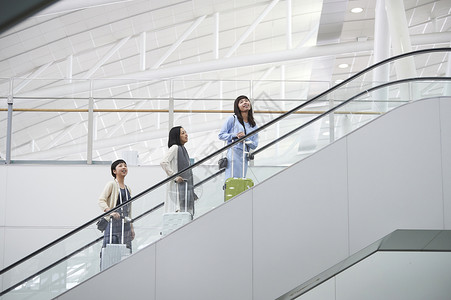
x: 240, y: 134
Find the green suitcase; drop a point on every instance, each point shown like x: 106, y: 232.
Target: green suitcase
x: 235, y: 186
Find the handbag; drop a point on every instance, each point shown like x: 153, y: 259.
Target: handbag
x: 102, y: 224
x: 223, y: 163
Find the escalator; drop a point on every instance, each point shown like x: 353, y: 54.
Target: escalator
x: 318, y: 122
x: 406, y: 264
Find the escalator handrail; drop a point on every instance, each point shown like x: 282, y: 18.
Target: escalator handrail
x: 222, y: 170
x: 55, y: 263
x: 384, y: 85
x: 277, y: 119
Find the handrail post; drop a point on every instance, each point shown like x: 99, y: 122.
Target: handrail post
x: 9, y: 122
x: 90, y: 126
x: 331, y: 120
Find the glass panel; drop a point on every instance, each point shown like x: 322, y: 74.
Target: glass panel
x: 65, y: 134
x: 76, y: 255
x: 126, y: 119
x: 278, y: 96
x: 119, y: 113
x: 54, y: 128
x: 209, y: 89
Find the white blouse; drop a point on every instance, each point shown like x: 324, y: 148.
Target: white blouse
x: 169, y: 164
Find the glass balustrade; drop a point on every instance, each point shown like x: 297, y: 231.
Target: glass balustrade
x: 75, y: 257
x: 283, y: 141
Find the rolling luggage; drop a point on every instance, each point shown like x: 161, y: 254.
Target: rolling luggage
x: 235, y: 186
x: 174, y: 220
x: 114, y: 253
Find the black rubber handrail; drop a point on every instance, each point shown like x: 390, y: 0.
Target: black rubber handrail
x: 62, y: 259
x: 344, y: 103
x: 275, y: 120
x: 222, y: 170
x: 209, y: 178
x: 229, y: 146
x: 72, y: 254
x: 226, y: 148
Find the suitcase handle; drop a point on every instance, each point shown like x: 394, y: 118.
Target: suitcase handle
x: 186, y: 194
x: 244, y: 153
x: 111, y: 229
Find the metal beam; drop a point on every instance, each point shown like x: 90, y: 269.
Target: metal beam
x: 125, y: 119
x: 263, y: 77
x: 289, y: 25
x: 234, y: 62
x: 142, y: 51
x: 216, y: 36
x: 31, y: 77
x: 70, y: 65
x: 178, y: 42
x: 106, y: 57
x: 251, y: 28
x: 60, y: 136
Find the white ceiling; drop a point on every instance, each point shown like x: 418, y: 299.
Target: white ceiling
x: 103, y: 39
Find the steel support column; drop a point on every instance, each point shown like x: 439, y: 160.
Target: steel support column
x: 381, y: 52
x: 399, y: 32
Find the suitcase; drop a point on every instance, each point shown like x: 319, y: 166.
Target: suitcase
x: 235, y: 186
x: 113, y: 253
x: 174, y: 220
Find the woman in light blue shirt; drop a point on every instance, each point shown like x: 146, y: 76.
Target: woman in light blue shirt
x: 237, y: 126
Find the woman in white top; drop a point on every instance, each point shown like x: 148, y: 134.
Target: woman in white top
x: 114, y: 194
x: 176, y: 160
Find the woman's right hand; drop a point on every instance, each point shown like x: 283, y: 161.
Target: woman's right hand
x: 179, y: 179
x: 115, y: 215
x: 240, y: 134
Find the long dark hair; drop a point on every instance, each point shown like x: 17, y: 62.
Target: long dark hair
x: 174, y: 136
x: 237, y: 111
